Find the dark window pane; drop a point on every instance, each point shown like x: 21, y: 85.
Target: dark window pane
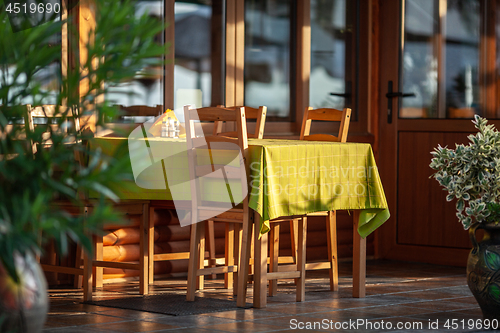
x: 267, y: 56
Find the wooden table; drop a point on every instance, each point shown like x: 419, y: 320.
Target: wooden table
x: 287, y: 178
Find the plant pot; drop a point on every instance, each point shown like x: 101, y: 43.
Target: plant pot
x: 23, y: 305
x: 483, y: 269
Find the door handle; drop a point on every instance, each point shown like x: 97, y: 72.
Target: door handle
x: 399, y: 94
x: 394, y: 94
x: 345, y: 95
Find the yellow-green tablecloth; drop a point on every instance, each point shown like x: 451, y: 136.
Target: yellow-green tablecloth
x: 287, y: 177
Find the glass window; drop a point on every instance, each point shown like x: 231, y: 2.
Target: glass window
x: 329, y: 85
x: 267, y: 56
x: 197, y: 30
x: 147, y: 88
x: 49, y: 77
x: 441, y: 59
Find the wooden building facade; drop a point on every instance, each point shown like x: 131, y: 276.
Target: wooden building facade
x: 414, y: 73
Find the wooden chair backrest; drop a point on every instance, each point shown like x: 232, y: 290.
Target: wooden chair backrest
x: 259, y: 114
x: 325, y: 114
x: 141, y: 110
x: 59, y: 114
x: 194, y: 143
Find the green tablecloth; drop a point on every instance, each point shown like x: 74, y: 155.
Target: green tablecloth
x: 287, y: 177
x: 291, y: 177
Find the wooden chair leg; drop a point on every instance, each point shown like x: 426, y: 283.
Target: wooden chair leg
x: 87, y: 269
x: 237, y: 255
x: 229, y: 254
x: 274, y: 255
x: 87, y: 277
x: 98, y: 277
x: 200, y: 279
x: 243, y: 268
x: 294, y: 231
x: 151, y: 247
x: 78, y: 279
x: 144, y: 248
x: 301, y: 259
x: 193, y: 262
x: 294, y: 227
x: 252, y: 246
x: 331, y: 234
x: 211, y: 246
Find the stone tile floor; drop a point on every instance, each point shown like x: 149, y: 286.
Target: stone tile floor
x: 400, y: 297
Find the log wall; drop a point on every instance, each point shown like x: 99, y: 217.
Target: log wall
x: 123, y: 244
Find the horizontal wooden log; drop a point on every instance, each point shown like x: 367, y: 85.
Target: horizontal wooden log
x: 172, y: 232
x: 123, y: 236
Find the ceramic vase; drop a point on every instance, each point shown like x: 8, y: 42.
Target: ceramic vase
x: 24, y: 304
x: 483, y: 269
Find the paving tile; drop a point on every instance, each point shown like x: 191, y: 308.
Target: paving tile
x: 245, y: 315
x: 192, y: 320
x: 298, y: 308
x: 244, y: 326
x: 442, y: 305
x: 80, y: 319
x: 135, y: 326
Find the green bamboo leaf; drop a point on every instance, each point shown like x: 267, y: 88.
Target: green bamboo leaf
x: 492, y: 260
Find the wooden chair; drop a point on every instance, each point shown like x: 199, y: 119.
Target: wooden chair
x: 57, y: 119
x: 259, y: 114
x: 62, y: 120
x: 331, y: 115
x: 202, y: 210
x: 140, y: 111
x: 128, y: 208
x: 125, y: 122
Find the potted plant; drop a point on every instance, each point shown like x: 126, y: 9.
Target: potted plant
x: 471, y: 175
x: 121, y: 45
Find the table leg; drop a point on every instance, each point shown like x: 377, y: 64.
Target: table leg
x: 243, y: 262
x: 359, y: 261
x: 260, y: 271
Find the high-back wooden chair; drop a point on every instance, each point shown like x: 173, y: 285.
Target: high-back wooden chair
x: 325, y: 114
x: 93, y: 265
x: 64, y: 120
x: 56, y: 118
x: 259, y: 114
x: 140, y: 111
x: 332, y: 115
x: 201, y: 208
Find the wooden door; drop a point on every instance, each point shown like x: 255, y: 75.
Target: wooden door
x: 437, y: 69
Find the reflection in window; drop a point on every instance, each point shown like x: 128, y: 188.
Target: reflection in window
x: 440, y: 63
x: 49, y: 77
x: 328, y: 50
x: 462, y: 58
x: 267, y: 55
x: 147, y: 88
x: 193, y: 53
